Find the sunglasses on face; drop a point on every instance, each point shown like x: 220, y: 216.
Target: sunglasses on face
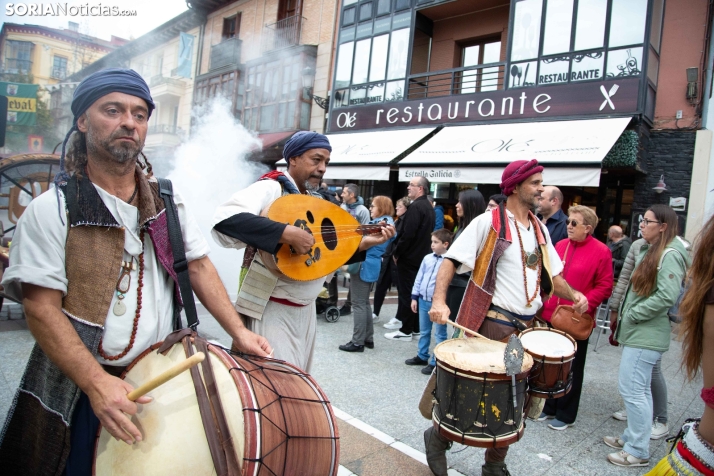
x: 572, y: 223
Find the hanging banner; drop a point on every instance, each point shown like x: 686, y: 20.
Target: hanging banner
x: 21, y: 103
x: 185, y: 55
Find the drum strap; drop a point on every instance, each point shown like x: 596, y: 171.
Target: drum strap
x: 214, y: 421
x: 177, y: 248
x: 224, y: 434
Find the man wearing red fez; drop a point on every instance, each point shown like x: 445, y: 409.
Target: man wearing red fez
x: 514, y: 265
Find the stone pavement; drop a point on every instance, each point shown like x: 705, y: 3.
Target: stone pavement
x: 375, y: 396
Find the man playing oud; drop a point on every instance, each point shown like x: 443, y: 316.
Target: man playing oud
x: 513, y: 262
x: 287, y: 318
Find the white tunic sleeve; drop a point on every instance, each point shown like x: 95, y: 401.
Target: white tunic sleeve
x: 470, y: 242
x: 37, y: 250
x: 252, y: 199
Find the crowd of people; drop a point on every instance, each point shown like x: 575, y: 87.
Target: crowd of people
x: 85, y: 253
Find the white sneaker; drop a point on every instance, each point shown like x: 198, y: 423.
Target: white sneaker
x: 398, y: 335
x: 620, y: 415
x: 659, y: 430
x: 375, y: 318
x: 393, y: 323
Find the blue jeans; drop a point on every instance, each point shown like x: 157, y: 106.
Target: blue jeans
x: 635, y: 380
x: 425, y: 325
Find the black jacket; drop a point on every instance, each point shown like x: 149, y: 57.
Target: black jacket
x: 414, y: 241
x: 619, y: 253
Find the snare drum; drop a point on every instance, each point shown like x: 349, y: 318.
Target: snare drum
x: 279, y: 420
x: 553, y: 352
x: 474, y: 396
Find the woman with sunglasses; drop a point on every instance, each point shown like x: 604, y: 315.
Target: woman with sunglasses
x: 587, y: 266
x: 643, y: 329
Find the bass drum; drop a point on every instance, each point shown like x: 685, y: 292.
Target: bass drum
x: 279, y: 420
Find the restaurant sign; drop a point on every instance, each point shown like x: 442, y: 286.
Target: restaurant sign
x: 574, y: 99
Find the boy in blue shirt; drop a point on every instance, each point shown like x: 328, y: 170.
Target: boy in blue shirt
x: 422, y: 292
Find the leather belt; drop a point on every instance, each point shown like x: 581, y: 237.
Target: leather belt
x: 503, y: 317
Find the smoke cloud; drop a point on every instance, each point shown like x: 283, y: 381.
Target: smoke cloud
x: 209, y: 168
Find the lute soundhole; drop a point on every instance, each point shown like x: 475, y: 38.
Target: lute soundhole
x: 329, y: 234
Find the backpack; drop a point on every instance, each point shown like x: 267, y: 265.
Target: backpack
x: 673, y: 311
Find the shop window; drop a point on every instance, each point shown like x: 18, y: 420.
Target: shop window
x: 343, y: 73
x: 348, y: 17
x: 553, y: 70
x: 558, y: 25
x: 378, y: 65
x: 475, y: 54
x: 361, y: 67
x: 398, y: 50
x: 365, y: 11
x: 395, y: 91
x: 627, y: 25
x: 526, y: 29
x: 653, y: 66
x: 587, y: 66
x: 590, y: 25
x: 625, y: 62
x: 231, y: 27
x: 522, y: 74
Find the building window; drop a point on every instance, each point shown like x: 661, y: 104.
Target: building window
x: 18, y: 56
x: 274, y: 97
x: 348, y: 16
x: 231, y: 27
x: 221, y: 85
x: 477, y: 54
x: 579, y: 41
x: 59, y: 67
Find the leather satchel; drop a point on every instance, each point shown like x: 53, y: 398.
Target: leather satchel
x: 565, y: 319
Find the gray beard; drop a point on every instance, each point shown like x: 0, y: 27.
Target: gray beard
x: 310, y: 187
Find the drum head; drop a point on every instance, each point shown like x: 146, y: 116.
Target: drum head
x: 174, y: 438
x: 476, y: 355
x: 547, y: 343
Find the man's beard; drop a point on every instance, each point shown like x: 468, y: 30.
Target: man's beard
x: 310, y: 187
x: 121, y: 153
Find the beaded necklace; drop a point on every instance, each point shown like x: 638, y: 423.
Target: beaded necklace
x: 122, y: 287
x: 526, y: 263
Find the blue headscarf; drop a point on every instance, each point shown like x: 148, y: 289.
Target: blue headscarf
x: 97, y: 85
x: 302, y: 141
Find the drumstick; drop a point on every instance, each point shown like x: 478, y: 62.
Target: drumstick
x: 466, y: 329
x: 164, y: 377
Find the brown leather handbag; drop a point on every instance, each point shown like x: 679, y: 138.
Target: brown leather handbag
x: 565, y: 319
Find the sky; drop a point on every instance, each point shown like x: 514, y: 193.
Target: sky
x: 149, y: 15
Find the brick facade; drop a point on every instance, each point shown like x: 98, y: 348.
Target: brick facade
x: 668, y: 152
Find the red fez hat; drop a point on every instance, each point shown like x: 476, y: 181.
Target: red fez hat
x: 516, y: 172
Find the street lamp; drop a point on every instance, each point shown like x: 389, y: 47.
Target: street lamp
x: 308, y: 79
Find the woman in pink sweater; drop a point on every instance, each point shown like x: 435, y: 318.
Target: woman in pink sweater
x: 587, y: 267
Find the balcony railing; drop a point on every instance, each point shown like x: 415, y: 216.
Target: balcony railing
x: 165, y: 129
x: 159, y: 80
x: 283, y: 33
x: 225, y: 53
x: 470, y: 79
x: 16, y: 66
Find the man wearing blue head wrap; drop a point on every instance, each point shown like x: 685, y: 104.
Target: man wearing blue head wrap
x: 81, y: 276
x: 287, y: 318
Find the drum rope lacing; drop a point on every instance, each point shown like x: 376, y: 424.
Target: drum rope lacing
x: 278, y: 401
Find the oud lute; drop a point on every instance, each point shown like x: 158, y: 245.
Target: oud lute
x: 337, y: 237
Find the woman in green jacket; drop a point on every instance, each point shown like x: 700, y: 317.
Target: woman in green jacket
x: 643, y: 329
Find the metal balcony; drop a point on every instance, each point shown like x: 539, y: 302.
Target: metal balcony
x: 282, y: 34
x: 470, y: 79
x: 225, y: 53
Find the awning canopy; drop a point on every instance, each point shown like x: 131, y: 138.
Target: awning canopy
x: 366, y: 155
x: 571, y: 151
